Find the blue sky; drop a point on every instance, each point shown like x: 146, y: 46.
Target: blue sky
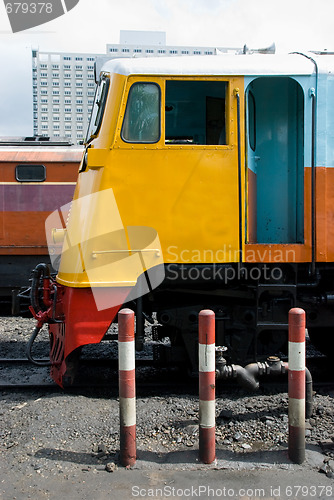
x: 88, y: 27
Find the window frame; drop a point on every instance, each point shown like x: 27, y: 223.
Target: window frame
x: 228, y: 86
x: 251, y: 123
x: 160, y: 80
x: 141, y: 82
x: 26, y: 166
x: 93, y: 129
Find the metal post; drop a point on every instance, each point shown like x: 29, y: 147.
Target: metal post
x: 296, y: 442
x: 127, y: 386
x: 207, y: 381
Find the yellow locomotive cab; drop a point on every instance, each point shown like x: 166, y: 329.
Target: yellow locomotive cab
x: 198, y: 189
x: 181, y: 177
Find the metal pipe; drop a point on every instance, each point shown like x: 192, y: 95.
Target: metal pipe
x: 308, y: 393
x: 313, y: 183
x: 140, y: 324
x: 29, y: 349
x: 127, y: 386
x: 247, y: 376
x: 313, y: 94
x: 40, y: 269
x: 207, y: 385
x: 296, y: 440
x: 237, y: 95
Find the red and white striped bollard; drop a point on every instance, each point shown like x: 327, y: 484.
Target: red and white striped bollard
x: 207, y: 386
x: 296, y: 441
x: 127, y: 386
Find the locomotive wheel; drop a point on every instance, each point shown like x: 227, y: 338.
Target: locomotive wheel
x: 72, y: 364
x: 322, y: 339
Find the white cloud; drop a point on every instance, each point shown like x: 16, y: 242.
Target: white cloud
x: 291, y: 24
x: 16, y: 90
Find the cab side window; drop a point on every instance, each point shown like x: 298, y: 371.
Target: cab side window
x: 142, y: 116
x: 195, y: 112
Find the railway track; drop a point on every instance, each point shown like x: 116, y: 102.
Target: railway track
x: 20, y: 374
x: 92, y: 373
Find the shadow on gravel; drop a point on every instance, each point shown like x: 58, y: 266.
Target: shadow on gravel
x: 68, y: 456
x: 224, y: 458
x: 269, y: 457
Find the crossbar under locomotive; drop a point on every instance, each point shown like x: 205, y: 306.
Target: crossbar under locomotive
x: 251, y: 304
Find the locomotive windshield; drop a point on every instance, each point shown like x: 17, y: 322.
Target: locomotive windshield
x: 142, y: 116
x: 98, y: 108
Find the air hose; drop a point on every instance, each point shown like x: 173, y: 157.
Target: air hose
x: 37, y: 309
x: 29, y: 349
x: 40, y: 269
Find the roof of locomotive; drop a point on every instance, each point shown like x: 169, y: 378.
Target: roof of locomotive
x: 38, y: 140
x: 225, y: 64
x: 39, y: 148
x: 39, y: 154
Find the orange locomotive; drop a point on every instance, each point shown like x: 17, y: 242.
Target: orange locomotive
x: 37, y: 175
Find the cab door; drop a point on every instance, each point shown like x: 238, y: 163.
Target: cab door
x: 180, y: 164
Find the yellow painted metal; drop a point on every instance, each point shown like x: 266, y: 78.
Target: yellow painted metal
x: 96, y: 157
x: 186, y: 194
x: 58, y: 235
x: 99, y: 251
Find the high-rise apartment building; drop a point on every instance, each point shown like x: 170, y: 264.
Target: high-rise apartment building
x: 63, y: 93
x: 64, y: 83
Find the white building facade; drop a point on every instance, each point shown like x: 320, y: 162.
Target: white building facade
x: 64, y: 83
x: 63, y: 94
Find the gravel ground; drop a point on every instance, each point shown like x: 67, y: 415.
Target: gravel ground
x: 53, y: 435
